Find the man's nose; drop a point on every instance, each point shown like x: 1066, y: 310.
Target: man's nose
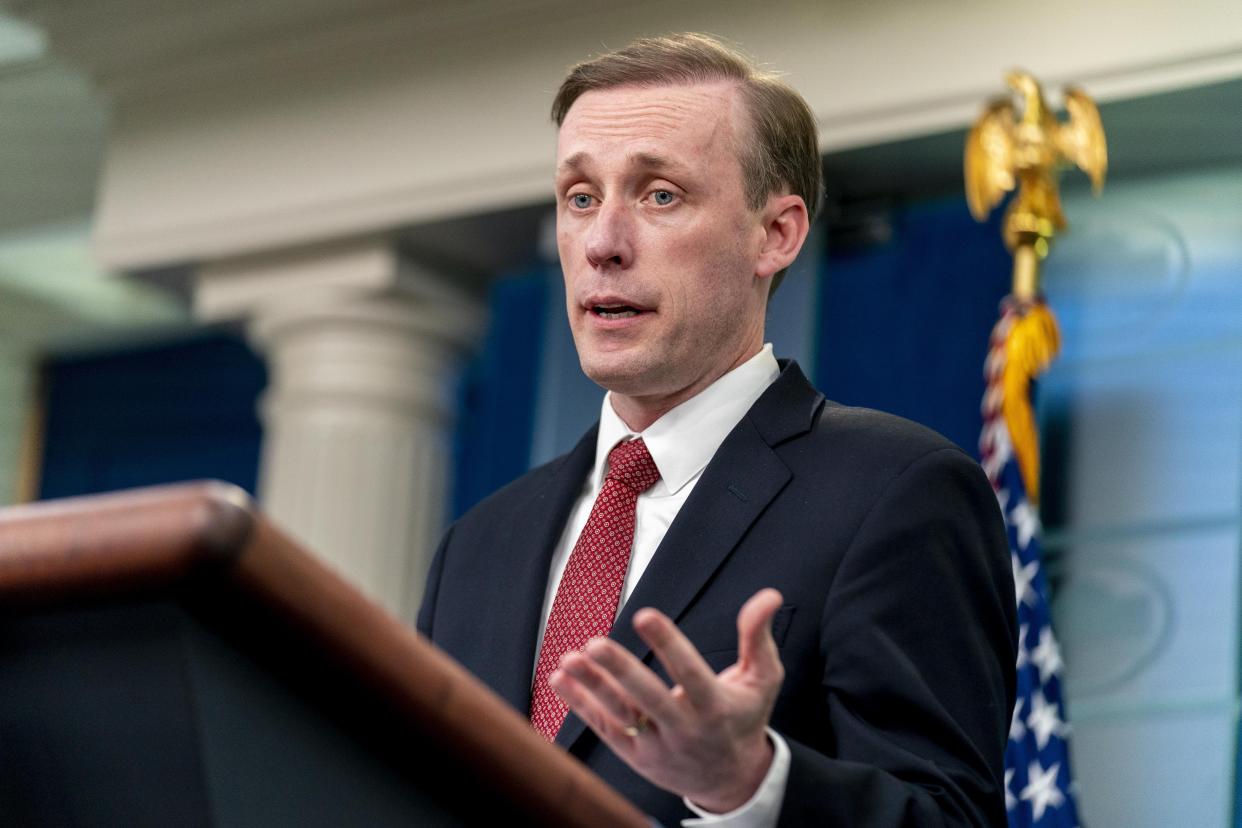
x: 609, y: 240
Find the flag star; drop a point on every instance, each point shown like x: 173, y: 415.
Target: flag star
x: 1022, y: 578
x: 1047, y: 655
x: 1042, y: 791
x: 1011, y: 801
x: 1043, y: 720
x: 1023, y: 657
x: 1002, y: 497
x: 1016, y: 729
x: 1024, y: 517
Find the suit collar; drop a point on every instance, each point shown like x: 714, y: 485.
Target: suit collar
x: 686, y: 437
x: 738, y: 484
x: 788, y: 408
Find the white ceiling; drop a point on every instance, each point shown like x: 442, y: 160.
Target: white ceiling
x: 51, y: 137
x: 19, y: 42
x: 52, y: 134
x: 53, y: 126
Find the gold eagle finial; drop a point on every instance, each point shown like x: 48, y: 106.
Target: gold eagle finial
x: 1005, y: 151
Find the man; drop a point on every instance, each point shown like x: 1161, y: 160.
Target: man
x: 873, y: 685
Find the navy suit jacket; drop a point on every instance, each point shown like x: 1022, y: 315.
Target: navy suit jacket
x: 898, y: 627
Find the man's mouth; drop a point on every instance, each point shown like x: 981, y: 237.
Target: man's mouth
x: 614, y: 311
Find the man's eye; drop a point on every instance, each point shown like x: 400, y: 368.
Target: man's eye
x: 662, y: 197
x: 580, y: 200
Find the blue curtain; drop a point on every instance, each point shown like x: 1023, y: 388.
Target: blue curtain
x: 904, y: 325
x: 496, y: 410
x: 154, y: 414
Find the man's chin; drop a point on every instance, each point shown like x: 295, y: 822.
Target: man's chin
x: 622, y: 377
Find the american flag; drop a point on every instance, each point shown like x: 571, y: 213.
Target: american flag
x: 1038, y: 784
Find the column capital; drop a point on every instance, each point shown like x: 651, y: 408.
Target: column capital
x: 363, y: 279
x: 363, y: 346
x: 351, y: 324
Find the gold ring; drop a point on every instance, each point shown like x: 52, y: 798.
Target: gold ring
x: 640, y: 725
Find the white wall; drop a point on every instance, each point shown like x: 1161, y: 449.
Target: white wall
x: 232, y: 134
x: 1144, y: 414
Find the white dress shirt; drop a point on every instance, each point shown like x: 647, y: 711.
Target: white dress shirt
x: 682, y: 442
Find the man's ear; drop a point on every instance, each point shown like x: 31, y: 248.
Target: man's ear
x: 785, y: 225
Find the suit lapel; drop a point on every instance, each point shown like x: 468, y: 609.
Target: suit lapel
x: 736, y: 487
x: 524, y: 574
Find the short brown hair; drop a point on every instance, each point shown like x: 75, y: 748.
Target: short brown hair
x: 785, y: 150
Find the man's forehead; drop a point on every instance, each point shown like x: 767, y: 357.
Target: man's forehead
x: 695, y: 113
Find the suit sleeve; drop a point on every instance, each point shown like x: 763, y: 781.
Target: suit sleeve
x: 918, y: 642
x: 427, y: 610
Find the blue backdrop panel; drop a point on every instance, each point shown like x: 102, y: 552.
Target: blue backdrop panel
x: 904, y: 326
x: 156, y: 414
x: 497, y: 403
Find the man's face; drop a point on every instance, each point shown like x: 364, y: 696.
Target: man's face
x: 657, y: 243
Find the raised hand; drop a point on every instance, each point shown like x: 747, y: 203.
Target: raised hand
x: 704, y: 738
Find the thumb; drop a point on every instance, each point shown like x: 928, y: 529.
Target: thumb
x: 756, y: 649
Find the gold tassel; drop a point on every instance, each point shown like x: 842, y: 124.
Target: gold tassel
x: 1033, y: 342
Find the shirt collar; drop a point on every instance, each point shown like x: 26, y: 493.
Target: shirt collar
x: 686, y: 437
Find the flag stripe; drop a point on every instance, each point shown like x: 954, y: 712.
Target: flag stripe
x: 1038, y: 783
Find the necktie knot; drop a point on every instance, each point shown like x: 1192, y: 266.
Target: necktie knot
x: 631, y: 463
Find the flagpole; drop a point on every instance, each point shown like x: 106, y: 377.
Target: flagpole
x: 1025, y: 274
x: 1022, y: 148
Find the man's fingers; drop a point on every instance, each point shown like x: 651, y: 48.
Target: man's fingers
x: 644, y: 689
x: 610, y: 688
x: 756, y: 649
x: 589, y: 707
x: 597, y: 680
x: 683, y: 662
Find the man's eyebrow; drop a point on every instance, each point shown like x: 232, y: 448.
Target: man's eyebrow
x: 655, y: 162
x: 574, y: 162
x: 641, y: 160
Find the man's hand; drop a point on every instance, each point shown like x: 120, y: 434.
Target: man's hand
x: 703, y: 739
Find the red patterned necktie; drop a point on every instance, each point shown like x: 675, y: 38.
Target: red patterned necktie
x: 590, y: 590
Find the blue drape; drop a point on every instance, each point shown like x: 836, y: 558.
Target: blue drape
x: 904, y: 325
x: 154, y: 414
x: 497, y: 396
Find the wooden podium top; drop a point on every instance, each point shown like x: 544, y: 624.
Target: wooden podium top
x: 164, y: 538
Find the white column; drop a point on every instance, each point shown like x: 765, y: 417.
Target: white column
x: 17, y: 381
x: 362, y: 355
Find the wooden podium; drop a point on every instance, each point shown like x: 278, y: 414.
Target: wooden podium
x: 168, y: 657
